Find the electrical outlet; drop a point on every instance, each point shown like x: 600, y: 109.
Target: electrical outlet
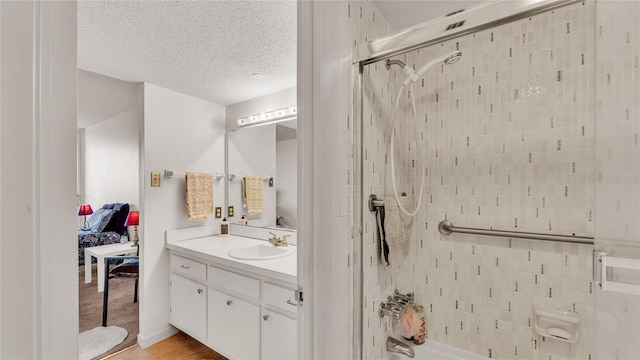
x: 218, y: 212
x: 155, y: 179
x: 230, y: 211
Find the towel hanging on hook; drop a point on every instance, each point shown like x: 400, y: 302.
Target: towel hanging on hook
x: 394, y: 230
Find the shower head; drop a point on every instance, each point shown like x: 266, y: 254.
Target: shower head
x: 448, y: 59
x: 453, y: 58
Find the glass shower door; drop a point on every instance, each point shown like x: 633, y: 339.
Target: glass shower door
x: 617, y: 214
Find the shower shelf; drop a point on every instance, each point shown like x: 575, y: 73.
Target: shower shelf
x: 557, y: 324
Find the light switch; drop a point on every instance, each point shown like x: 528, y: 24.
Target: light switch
x: 155, y: 179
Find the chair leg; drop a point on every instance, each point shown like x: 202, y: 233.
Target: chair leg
x: 135, y: 293
x: 105, y: 301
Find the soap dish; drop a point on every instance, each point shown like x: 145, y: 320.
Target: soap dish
x: 557, y: 324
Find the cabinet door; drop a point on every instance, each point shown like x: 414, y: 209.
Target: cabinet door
x: 188, y: 301
x: 279, y: 336
x: 234, y: 326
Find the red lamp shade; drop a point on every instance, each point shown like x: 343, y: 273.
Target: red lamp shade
x: 85, y: 209
x: 133, y: 218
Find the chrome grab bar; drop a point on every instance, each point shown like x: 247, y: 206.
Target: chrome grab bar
x: 446, y: 227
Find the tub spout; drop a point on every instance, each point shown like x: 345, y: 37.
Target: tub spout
x: 397, y: 346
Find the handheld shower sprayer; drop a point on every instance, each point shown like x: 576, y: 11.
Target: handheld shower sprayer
x: 448, y: 59
x: 413, y: 76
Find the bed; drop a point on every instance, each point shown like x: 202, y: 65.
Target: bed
x: 104, y: 226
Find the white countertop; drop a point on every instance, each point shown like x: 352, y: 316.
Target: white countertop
x: 215, y: 248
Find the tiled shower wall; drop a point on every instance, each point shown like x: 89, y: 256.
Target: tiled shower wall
x: 507, y: 137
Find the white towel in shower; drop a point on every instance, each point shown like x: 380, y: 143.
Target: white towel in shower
x: 396, y: 233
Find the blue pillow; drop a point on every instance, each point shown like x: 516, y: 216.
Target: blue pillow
x: 98, y: 220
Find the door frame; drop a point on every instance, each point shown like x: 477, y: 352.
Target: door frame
x: 319, y: 152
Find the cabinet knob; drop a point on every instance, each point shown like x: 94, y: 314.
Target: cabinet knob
x: 185, y: 267
x: 199, y: 291
x: 229, y: 302
x: 266, y: 317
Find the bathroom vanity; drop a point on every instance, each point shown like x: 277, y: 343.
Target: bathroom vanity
x: 242, y: 306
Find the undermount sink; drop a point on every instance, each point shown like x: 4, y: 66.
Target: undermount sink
x: 261, y: 252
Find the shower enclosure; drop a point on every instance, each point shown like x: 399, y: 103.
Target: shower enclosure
x: 534, y: 131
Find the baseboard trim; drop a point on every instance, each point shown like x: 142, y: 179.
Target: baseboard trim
x: 146, y: 341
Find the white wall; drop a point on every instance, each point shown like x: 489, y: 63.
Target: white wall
x: 111, y: 163
x: 181, y: 133
x: 101, y: 97
x: 38, y: 244
x: 287, y: 182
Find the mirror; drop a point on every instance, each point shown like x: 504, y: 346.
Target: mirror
x: 269, y: 151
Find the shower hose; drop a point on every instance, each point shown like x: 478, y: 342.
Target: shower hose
x: 421, y: 165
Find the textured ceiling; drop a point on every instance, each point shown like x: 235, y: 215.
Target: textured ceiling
x: 208, y: 49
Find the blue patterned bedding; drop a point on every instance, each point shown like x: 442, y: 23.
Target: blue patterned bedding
x: 105, y: 226
x: 88, y: 239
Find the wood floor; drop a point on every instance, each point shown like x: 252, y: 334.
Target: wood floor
x: 178, y: 346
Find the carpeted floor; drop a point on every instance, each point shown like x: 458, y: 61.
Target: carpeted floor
x: 122, y: 311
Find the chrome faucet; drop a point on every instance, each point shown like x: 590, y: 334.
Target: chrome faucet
x: 275, y: 241
x: 397, y: 346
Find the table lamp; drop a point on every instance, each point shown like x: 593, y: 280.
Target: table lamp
x: 133, y: 219
x: 84, y: 210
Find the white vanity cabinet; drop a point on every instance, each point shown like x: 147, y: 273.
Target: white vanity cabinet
x: 240, y: 314
x: 188, y: 297
x: 279, y: 336
x: 234, y: 327
x: 279, y: 331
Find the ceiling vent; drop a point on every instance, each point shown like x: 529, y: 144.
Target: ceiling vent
x: 455, y: 25
x: 455, y: 12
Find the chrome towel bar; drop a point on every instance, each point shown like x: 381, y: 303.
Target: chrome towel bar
x: 602, y: 261
x: 446, y: 227
x: 168, y: 174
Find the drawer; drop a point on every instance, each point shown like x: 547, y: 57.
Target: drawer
x: 188, y: 267
x: 278, y: 296
x: 237, y: 283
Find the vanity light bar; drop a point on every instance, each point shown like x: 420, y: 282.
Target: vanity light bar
x: 269, y: 117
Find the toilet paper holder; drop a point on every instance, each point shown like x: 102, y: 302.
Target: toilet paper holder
x: 557, y: 324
